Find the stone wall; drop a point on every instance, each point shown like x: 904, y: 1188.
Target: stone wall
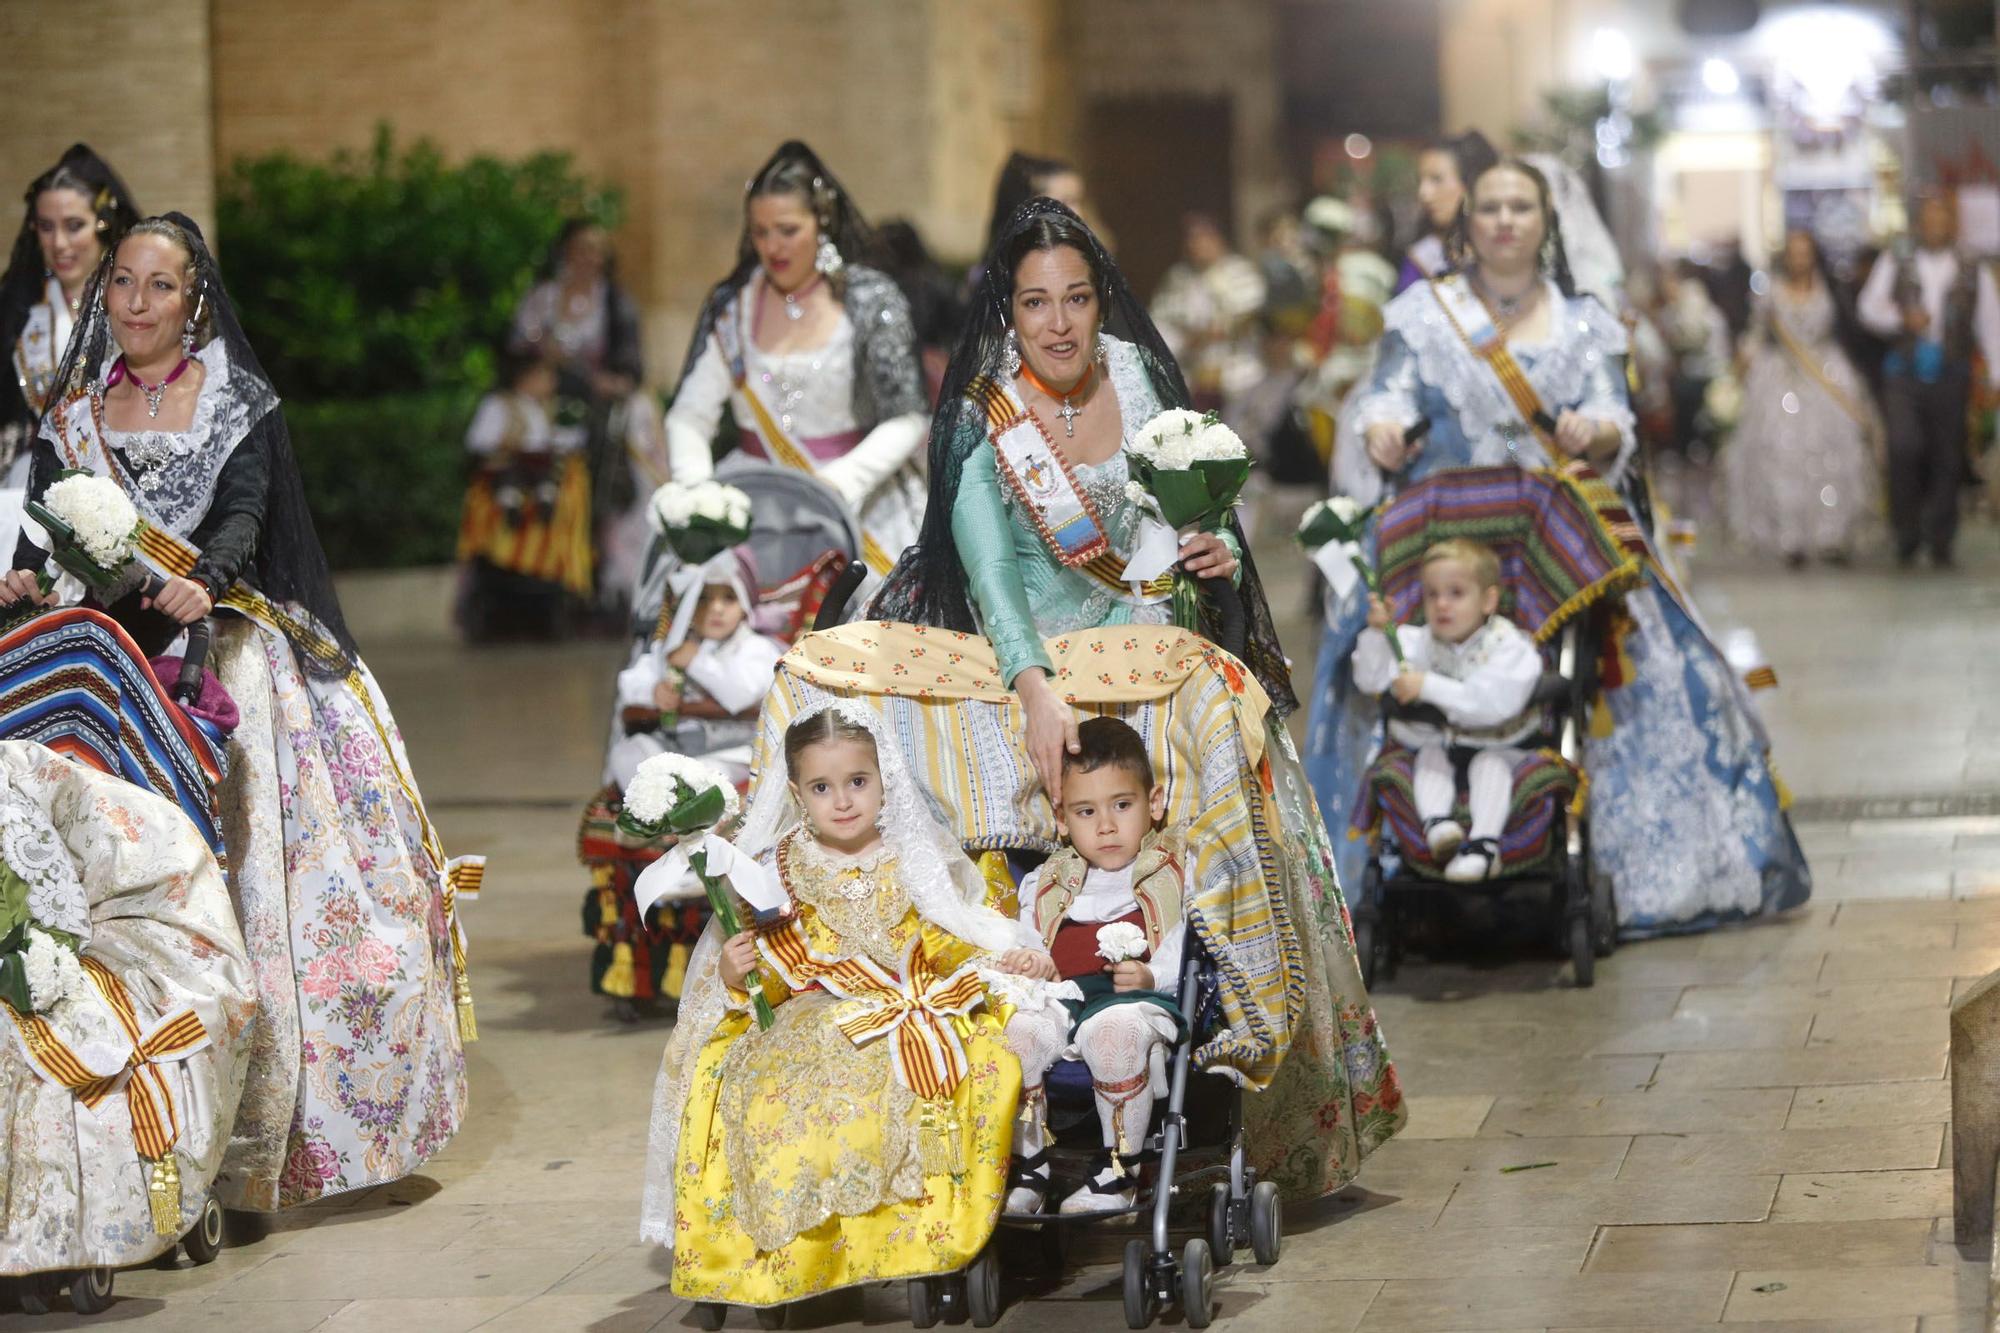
x: 128, y: 77
x: 914, y: 104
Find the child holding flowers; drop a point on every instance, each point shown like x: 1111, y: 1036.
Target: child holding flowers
x: 1109, y: 908
x: 863, y: 1135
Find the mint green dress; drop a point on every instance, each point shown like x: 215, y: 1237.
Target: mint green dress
x: 1337, y: 1095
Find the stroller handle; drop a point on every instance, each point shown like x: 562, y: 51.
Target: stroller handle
x: 187, y: 686
x: 1232, y: 621
x: 833, y: 610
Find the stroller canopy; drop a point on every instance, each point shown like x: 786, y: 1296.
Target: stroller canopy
x: 1564, y: 539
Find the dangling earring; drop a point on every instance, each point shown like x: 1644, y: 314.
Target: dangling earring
x: 1103, y: 356
x: 187, y: 339
x: 1010, y: 355
x: 827, y: 258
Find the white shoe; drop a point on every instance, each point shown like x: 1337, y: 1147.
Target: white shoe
x: 1474, y: 864
x: 1104, y: 1192
x: 1029, y: 1178
x: 1444, y: 835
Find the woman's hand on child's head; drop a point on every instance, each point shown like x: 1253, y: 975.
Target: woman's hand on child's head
x: 1378, y: 612
x: 1030, y: 963
x: 1131, y: 975
x: 739, y: 957
x: 1408, y: 686
x: 667, y: 696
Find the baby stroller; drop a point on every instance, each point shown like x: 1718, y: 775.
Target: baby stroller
x: 804, y: 539
x: 957, y: 726
x: 1556, y: 534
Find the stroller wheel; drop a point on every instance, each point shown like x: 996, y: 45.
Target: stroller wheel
x: 1140, y: 1304
x: 1603, y: 913
x: 204, y: 1239
x: 90, y: 1291
x: 1364, y: 949
x: 923, y: 1302
x: 982, y: 1288
x: 37, y: 1292
x: 1267, y: 1223
x: 709, y: 1314
x: 771, y: 1316
x: 1221, y: 1236
x: 1198, y: 1284
x: 1582, y: 951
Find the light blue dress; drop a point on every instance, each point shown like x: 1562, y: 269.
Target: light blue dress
x: 1686, y: 814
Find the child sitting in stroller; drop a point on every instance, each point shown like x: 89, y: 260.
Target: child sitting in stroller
x: 697, y: 690
x: 1108, y: 906
x: 1477, y: 671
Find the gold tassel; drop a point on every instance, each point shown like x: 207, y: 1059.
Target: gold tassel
x: 943, y: 1149
x: 164, y: 1193
x: 621, y: 978
x: 468, y: 1026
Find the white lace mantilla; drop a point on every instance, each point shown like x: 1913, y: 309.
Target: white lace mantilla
x: 1582, y: 333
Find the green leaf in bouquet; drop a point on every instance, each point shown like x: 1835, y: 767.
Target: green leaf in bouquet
x: 13, y: 901
x: 703, y: 539
x: 696, y: 810
x: 1184, y: 497
x: 14, y: 982
x: 1226, y: 478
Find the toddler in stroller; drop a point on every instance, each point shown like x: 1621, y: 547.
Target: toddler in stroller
x: 1473, y: 674
x: 1108, y: 906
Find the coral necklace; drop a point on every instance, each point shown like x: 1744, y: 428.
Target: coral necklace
x: 1069, y: 411
x: 153, y: 392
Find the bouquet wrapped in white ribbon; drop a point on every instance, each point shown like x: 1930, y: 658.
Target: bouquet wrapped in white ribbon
x: 672, y: 794
x: 1187, y: 472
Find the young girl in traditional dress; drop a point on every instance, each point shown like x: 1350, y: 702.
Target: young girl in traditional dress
x: 864, y: 1136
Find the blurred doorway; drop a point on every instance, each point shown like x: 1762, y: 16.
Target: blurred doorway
x: 1150, y: 161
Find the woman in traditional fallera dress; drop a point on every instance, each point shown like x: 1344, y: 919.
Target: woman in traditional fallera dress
x: 1040, y: 341
x: 75, y: 210
x: 1687, y: 814
x: 346, y: 899
x: 1799, y: 478
x: 1444, y: 170
x: 581, y: 319
x: 813, y: 354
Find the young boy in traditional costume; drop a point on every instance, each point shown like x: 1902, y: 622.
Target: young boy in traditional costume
x: 1109, y: 908
x: 1478, y: 670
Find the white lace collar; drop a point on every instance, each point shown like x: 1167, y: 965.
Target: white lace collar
x: 170, y: 475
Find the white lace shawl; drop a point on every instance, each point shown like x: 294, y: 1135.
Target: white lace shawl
x: 32, y: 849
x: 1572, y: 367
x: 943, y: 885
x: 173, y: 472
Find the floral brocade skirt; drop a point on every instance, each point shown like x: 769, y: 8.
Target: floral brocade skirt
x: 805, y: 1167
x: 357, y: 1070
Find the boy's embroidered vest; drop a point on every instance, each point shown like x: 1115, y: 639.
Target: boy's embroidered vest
x: 1157, y: 878
x: 1960, y: 305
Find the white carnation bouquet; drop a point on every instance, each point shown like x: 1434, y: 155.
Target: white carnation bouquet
x: 1187, y: 471
x: 682, y: 796
x: 702, y: 520
x: 93, y: 529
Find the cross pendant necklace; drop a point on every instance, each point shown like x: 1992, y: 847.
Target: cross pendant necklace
x: 1069, y: 411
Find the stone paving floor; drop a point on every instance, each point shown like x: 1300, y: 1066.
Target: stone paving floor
x: 1748, y: 1128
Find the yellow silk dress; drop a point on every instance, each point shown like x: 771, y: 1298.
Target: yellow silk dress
x: 805, y: 1163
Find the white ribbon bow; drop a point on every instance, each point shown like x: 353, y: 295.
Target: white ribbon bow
x: 672, y: 879
x: 1156, y: 551
x: 1336, y: 561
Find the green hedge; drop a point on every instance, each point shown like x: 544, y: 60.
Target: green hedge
x: 385, y: 475
x: 375, y: 287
